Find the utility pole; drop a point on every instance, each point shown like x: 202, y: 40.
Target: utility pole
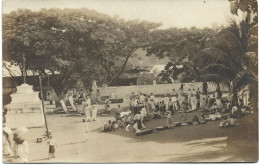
x: 46, y: 125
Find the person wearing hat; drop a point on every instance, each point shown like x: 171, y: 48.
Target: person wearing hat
x: 52, y: 144
x: 21, y: 147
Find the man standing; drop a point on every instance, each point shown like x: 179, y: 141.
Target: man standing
x: 135, y: 105
x: 198, y: 98
x: 189, y: 97
x: 166, y: 102
x: 174, y: 102
x: 152, y: 100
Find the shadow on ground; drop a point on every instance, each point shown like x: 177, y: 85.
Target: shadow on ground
x: 240, y: 143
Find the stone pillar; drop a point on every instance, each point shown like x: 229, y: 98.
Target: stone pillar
x: 25, y: 109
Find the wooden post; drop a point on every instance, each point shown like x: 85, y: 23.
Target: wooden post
x: 43, y: 108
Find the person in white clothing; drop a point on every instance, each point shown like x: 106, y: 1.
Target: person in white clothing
x: 94, y: 113
x: 135, y: 105
x: 143, y: 112
x: 52, y: 145
x: 88, y: 101
x: 152, y: 101
x: 22, y: 148
x: 174, y: 102
x: 88, y: 108
x: 166, y: 102
x: 193, y: 102
x: 72, y: 102
x: 142, y: 98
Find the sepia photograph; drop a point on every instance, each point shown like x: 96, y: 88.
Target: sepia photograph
x: 129, y: 81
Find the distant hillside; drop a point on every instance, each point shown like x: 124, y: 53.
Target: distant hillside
x: 140, y: 59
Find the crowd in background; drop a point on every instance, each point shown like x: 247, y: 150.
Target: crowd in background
x: 144, y: 107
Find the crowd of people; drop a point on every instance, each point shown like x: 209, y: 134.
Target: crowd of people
x: 144, y: 107
x: 75, y: 98
x: 81, y: 103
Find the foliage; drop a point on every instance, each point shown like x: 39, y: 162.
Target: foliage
x: 178, y: 42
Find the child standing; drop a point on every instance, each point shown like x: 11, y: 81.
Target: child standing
x: 168, y: 119
x: 52, y: 145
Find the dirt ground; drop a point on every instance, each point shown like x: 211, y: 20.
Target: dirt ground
x: 200, y: 143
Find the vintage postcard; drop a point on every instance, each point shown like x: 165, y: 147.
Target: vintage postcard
x: 116, y: 81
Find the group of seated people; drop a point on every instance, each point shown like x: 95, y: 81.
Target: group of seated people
x: 229, y: 122
x: 107, y: 109
x: 142, y: 107
x: 123, y: 119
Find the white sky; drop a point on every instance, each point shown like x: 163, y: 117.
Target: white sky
x: 178, y: 13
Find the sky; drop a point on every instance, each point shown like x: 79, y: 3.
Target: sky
x: 171, y: 13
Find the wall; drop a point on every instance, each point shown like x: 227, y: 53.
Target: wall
x: 156, y: 89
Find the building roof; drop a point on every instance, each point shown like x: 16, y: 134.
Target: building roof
x: 9, y: 70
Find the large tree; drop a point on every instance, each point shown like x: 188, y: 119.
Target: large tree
x: 78, y: 44
x: 223, y: 60
x: 116, y: 42
x: 46, y: 41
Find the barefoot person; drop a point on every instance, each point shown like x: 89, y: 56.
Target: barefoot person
x: 52, y: 145
x: 168, y: 119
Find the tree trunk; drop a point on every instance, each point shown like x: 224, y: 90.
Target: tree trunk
x: 60, y: 94
x: 235, y: 97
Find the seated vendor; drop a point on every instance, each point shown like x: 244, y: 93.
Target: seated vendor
x: 119, y: 109
x: 214, y: 108
x: 107, y: 126
x: 138, y: 122
x: 107, y: 110
x: 195, y: 120
x: 202, y: 119
x: 117, y: 116
x: 224, y: 123
x: 234, y: 112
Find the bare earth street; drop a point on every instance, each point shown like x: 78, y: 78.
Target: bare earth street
x: 207, y: 142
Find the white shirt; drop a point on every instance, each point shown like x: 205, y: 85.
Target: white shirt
x: 142, y: 98
x: 143, y: 111
x: 174, y: 99
x: 52, y: 142
x: 89, y: 102
x: 135, y: 103
x: 152, y: 98
x: 165, y: 99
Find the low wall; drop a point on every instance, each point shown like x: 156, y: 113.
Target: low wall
x: 156, y: 89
